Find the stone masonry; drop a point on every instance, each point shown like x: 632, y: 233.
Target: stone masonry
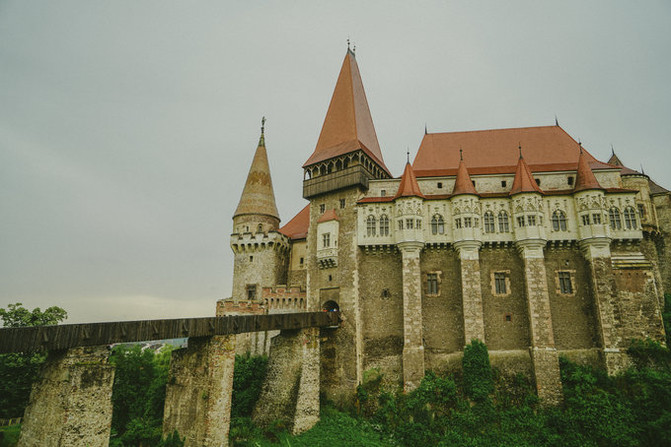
x: 72, y: 403
x: 198, y: 394
x: 474, y: 324
x: 413, y: 347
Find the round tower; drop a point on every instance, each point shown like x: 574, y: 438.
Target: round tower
x: 260, y: 251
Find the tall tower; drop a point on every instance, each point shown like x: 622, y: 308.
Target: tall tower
x: 347, y: 156
x: 260, y: 251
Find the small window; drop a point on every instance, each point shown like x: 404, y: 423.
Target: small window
x: 641, y: 210
x: 383, y: 193
x: 504, y: 183
x: 457, y: 222
x: 520, y: 221
x: 400, y: 224
x: 251, y: 259
x: 508, y: 318
x: 326, y: 240
x: 330, y: 278
x: 259, y: 229
x: 489, y: 222
x: 384, y: 225
x: 538, y: 181
x: 468, y: 222
x: 473, y: 181
x: 500, y: 283
x: 419, y: 224
x: 432, y: 284
x: 630, y: 218
x: 440, y: 185
x: 585, y: 219
x: 565, y: 283
x: 596, y: 219
x: 342, y: 203
x: 570, y: 180
x: 409, y: 224
x: 504, y: 226
x: 531, y: 219
x: 322, y: 208
x: 386, y: 293
x: 251, y: 291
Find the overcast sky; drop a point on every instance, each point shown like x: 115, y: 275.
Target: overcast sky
x: 127, y: 127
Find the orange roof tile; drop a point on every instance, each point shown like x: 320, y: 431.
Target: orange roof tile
x: 408, y: 186
x: 348, y: 125
x: 328, y: 215
x: 463, y: 184
x: 524, y: 179
x: 297, y: 227
x: 258, y: 196
x: 548, y: 148
x: 585, y: 178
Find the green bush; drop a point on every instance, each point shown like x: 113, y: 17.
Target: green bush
x: 248, y: 377
x: 478, y: 381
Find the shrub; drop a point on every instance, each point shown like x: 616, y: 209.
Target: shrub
x: 478, y: 382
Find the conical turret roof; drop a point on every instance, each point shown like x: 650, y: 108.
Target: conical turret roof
x: 348, y: 125
x: 258, y: 196
x: 585, y: 178
x: 408, y: 186
x: 463, y: 183
x: 524, y: 179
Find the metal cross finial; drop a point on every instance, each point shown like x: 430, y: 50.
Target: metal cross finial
x: 580, y: 144
x: 407, y: 155
x: 612, y: 149
x: 461, y: 154
x: 263, y: 124
x: 426, y: 130
x: 347, y: 43
x: 519, y: 146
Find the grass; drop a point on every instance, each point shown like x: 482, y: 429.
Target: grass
x: 9, y: 436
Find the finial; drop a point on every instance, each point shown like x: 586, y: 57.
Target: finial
x: 580, y: 144
x: 642, y: 170
x: 426, y: 130
x: 262, y: 139
x: 461, y: 154
x: 354, y: 49
x: 612, y: 149
x: 519, y: 146
x: 407, y: 155
x: 556, y: 121
x: 348, y: 43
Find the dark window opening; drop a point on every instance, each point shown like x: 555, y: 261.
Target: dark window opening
x: 331, y: 306
x: 509, y: 317
x: 301, y: 261
x: 330, y: 278
x: 342, y: 203
x: 322, y: 208
x: 251, y: 259
x: 504, y: 183
x: 570, y: 180
x: 500, y: 283
x: 440, y: 185
x: 538, y: 181
x: 251, y: 291
x: 432, y: 284
x: 565, y: 284
x: 386, y: 293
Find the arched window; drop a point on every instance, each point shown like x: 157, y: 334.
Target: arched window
x: 437, y: 224
x: 615, y: 219
x: 370, y: 226
x: 384, y: 225
x: 504, y: 225
x: 559, y: 221
x: 259, y: 229
x: 630, y: 218
x: 489, y: 222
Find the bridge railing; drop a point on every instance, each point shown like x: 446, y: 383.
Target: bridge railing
x: 29, y: 339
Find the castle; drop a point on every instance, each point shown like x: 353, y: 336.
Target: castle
x: 516, y: 237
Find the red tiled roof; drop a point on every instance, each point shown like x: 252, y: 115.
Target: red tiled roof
x: 376, y: 199
x: 348, y: 125
x: 585, y: 178
x: 524, y: 179
x: 547, y: 148
x: 258, y: 196
x: 297, y: 228
x: 615, y: 161
x: 463, y: 184
x: 328, y: 215
x: 408, y: 186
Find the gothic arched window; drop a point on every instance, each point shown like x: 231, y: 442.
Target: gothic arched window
x: 559, y: 221
x: 437, y: 224
x: 615, y: 219
x: 504, y: 224
x: 370, y: 226
x: 630, y: 218
x: 489, y: 222
x: 384, y: 225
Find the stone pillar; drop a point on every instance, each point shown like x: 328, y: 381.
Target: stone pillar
x: 413, y: 346
x: 471, y: 290
x: 544, y: 356
x: 71, y: 405
x: 291, y: 390
x: 199, y: 390
x: 597, y: 253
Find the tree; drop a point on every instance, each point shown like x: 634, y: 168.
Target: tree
x: 18, y: 371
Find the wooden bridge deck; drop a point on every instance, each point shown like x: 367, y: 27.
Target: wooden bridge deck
x: 28, y: 339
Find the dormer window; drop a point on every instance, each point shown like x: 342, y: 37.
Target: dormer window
x: 504, y: 183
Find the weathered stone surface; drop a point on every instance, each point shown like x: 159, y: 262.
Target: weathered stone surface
x: 198, y: 394
x: 546, y: 374
x: 72, y: 403
x: 413, y: 348
x: 291, y: 390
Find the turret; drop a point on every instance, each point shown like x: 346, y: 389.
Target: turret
x: 590, y: 202
x: 466, y: 209
x: 527, y: 205
x: 260, y: 250
x: 409, y: 220
x: 347, y: 152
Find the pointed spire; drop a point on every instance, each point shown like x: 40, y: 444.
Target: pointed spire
x: 614, y: 159
x: 556, y: 121
x: 463, y: 184
x: 524, y: 179
x: 408, y: 186
x: 348, y: 125
x: 585, y: 178
x: 258, y: 197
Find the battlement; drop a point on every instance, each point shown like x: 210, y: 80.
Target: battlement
x: 284, y: 298
x: 252, y: 242
x: 228, y: 306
